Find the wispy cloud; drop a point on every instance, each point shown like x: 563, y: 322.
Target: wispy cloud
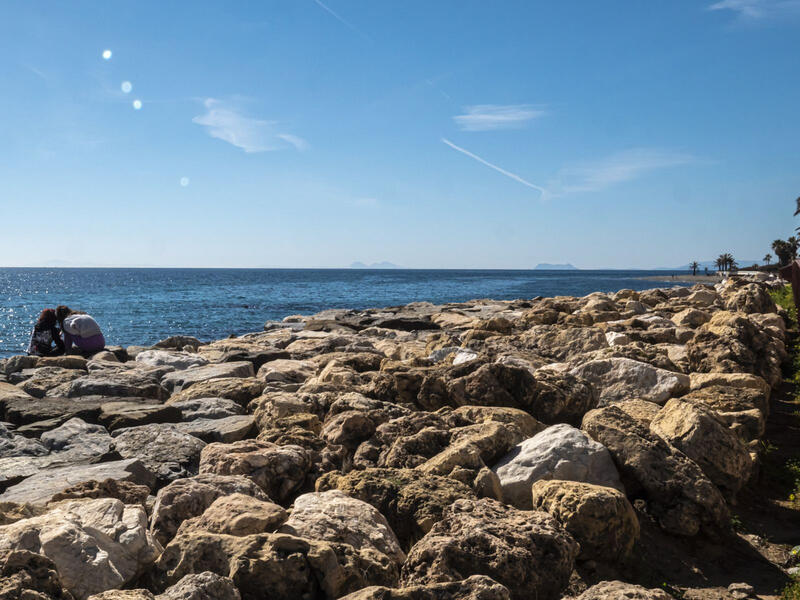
x: 226, y: 123
x: 341, y: 19
x: 596, y: 175
x: 487, y: 117
x: 617, y: 168
x: 509, y: 174
x: 758, y: 10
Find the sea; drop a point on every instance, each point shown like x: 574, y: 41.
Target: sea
x: 143, y: 306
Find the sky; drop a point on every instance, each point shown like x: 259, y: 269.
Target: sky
x: 431, y: 134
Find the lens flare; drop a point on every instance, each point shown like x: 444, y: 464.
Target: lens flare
x: 137, y: 104
x: 106, y: 54
x: 184, y: 181
x: 126, y: 87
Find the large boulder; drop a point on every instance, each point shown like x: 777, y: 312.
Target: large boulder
x: 549, y: 396
x: 226, y: 429
x: 26, y: 575
x: 119, y: 415
x: 40, y: 488
x: 181, y: 380
x: 600, y: 518
x: 163, y: 449
x: 239, y: 389
x: 202, y: 586
x: 44, y: 379
x: 122, y: 384
x: 180, y: 361
x: 279, y: 470
x: 619, y: 590
x: 207, y: 408
x: 617, y: 379
x: 412, y: 502
x: 186, y: 498
x: 732, y: 343
x: 275, y: 566
x: 477, y: 587
x: 677, y: 492
x: 748, y: 298
x: 333, y: 516
x: 528, y: 552
x: 703, y: 436
x: 558, y: 452
x: 237, y: 514
x: 96, y: 545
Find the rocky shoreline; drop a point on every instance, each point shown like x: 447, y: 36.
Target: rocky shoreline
x: 485, y: 450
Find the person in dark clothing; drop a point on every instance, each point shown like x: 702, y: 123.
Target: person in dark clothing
x: 45, y: 335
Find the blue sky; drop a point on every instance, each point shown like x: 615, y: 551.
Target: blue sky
x: 469, y: 134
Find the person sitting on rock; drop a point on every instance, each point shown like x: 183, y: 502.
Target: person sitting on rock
x: 45, y: 335
x: 81, y: 330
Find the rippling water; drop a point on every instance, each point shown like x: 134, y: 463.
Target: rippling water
x: 142, y: 306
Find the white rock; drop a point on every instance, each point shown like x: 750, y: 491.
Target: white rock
x: 179, y: 360
x: 333, y: 516
x: 618, y: 379
x: 617, y: 338
x: 558, y: 452
x: 463, y: 356
x: 96, y: 545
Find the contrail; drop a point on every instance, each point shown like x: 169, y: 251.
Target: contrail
x: 342, y: 20
x: 517, y: 178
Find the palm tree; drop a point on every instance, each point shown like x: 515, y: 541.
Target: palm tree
x: 694, y: 265
x: 767, y: 258
x: 793, y: 245
x: 720, y: 262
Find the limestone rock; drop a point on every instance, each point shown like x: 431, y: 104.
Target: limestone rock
x: 125, y: 491
x: 227, y: 429
x: 40, y: 488
x: 180, y: 361
x: 26, y: 575
x: 691, y: 317
x: 287, y: 371
x: 698, y: 432
x: 237, y: 514
x: 528, y: 552
x: 167, y: 452
x: 43, y: 379
x: 239, y: 389
x: 202, y: 586
x: 186, y: 498
x: 182, y: 380
x: 558, y: 452
x: 278, y: 470
x: 619, y: 590
x: 477, y: 587
x: 207, y: 408
x: 333, y: 516
x: 123, y: 383
x: 411, y: 501
x: 96, y: 545
x: 619, y: 379
x: 119, y: 415
x: 276, y: 566
x: 600, y: 518
x: 677, y: 492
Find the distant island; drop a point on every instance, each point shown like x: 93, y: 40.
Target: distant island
x: 378, y: 265
x: 551, y: 267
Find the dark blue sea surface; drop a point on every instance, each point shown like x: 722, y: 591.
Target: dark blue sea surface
x: 142, y: 306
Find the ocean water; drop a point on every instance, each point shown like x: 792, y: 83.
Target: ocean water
x: 142, y: 306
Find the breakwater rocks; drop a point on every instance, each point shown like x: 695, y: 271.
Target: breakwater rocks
x: 483, y: 450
